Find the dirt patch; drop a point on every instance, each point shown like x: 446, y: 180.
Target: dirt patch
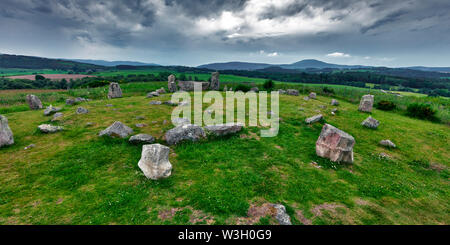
x: 52, y: 76
x: 278, y: 147
x: 250, y: 135
x: 59, y: 201
x: 437, y: 167
x: 168, y: 213
x: 302, y: 218
x: 255, y: 213
x: 331, y: 207
x: 200, y: 217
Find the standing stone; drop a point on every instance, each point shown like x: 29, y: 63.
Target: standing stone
x: 335, y: 144
x: 371, y: 122
x: 117, y: 129
x: 183, y: 132
x: 366, y: 103
x: 34, y: 102
x: 171, y: 84
x: 312, y: 95
x: 154, y: 161
x: 215, y: 84
x: 114, y: 91
x: 6, y: 135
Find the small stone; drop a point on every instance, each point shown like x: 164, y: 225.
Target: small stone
x: 117, y: 129
x: 48, y: 129
x: 109, y: 105
x: 254, y: 89
x: 142, y: 139
x: 293, y: 92
x: 140, y: 118
x: 371, y: 122
x: 306, y: 98
x: 88, y: 124
x: 312, y: 95
x: 170, y: 103
x: 180, y: 121
x: 81, y: 110
x: 155, y: 102
x: 334, y: 102
x: 281, y: 91
x: 141, y: 125
x: 388, y: 144
x: 56, y: 116
x: 314, y: 119
x: 161, y: 91
x: 50, y: 110
x: 29, y: 147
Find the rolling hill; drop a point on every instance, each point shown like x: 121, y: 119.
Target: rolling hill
x: 113, y: 63
x: 30, y: 62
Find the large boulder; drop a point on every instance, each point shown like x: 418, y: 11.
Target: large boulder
x: 388, y: 144
x: 371, y: 122
x: 171, y: 84
x: 215, y: 83
x: 335, y: 144
x: 154, y: 161
x: 114, y: 91
x: 6, y: 135
x: 34, y: 102
x: 314, y: 119
x: 293, y: 92
x: 189, y: 85
x: 49, y: 129
x: 142, y: 139
x: 50, y: 110
x: 183, y: 132
x: 312, y: 95
x: 366, y: 103
x: 117, y: 129
x: 224, y: 129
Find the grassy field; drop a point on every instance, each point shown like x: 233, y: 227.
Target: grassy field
x: 75, y: 177
x: 5, y: 72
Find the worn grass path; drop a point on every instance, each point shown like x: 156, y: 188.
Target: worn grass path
x: 75, y: 177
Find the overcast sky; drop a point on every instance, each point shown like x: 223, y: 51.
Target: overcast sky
x: 181, y: 32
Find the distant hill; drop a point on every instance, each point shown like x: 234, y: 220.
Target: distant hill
x: 303, y: 64
x: 434, y: 69
x: 114, y: 63
x: 31, y: 62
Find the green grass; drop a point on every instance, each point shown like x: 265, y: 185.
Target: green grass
x: 75, y: 177
x: 5, y: 72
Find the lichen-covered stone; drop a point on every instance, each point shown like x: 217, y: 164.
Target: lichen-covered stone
x: 335, y: 144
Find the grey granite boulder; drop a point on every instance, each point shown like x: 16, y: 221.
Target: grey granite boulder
x: 49, y: 129
x: 281, y: 215
x: 50, y: 110
x: 293, y: 92
x: 224, y: 129
x: 371, y: 122
x: 114, y: 91
x: 184, y: 132
x: 335, y: 144
x: 314, y: 119
x: 6, y: 135
x: 154, y: 161
x: 34, y: 102
x: 388, y: 143
x: 117, y: 129
x: 215, y: 83
x: 366, y: 103
x: 142, y: 139
x: 81, y: 110
x: 312, y: 95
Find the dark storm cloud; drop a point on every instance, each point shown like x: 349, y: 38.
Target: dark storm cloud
x: 171, y: 27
